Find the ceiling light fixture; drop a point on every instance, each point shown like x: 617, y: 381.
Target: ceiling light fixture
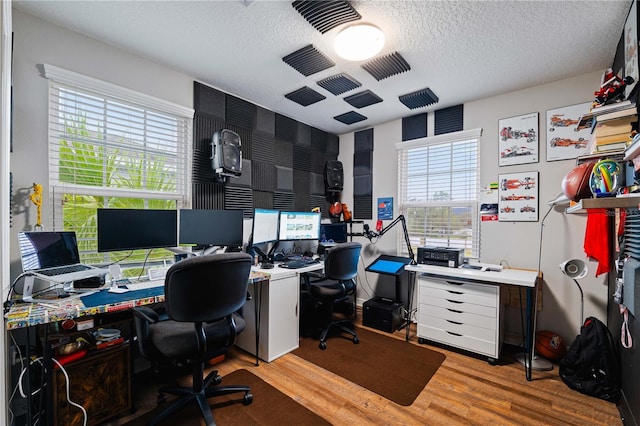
x: 359, y: 42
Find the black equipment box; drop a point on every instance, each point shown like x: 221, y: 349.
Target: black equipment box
x: 382, y: 314
x: 441, y: 256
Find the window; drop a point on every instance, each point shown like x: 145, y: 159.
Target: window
x: 114, y: 148
x: 438, y: 190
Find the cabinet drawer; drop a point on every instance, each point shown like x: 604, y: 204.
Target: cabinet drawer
x: 460, y: 328
x: 456, y: 295
x: 472, y: 344
x: 458, y: 316
x: 459, y: 286
x: 456, y: 305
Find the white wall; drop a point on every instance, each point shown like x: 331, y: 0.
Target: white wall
x: 516, y: 243
x: 37, y: 42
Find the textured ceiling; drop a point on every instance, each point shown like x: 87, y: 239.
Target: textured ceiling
x: 460, y: 50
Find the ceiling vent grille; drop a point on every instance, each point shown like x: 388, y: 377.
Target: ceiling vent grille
x: 339, y: 83
x: 419, y: 98
x: 386, y: 66
x: 326, y: 15
x: 350, y: 117
x: 363, y: 99
x: 308, y: 60
x: 305, y: 96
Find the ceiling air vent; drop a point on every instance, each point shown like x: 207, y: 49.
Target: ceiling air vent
x: 419, y: 98
x: 386, y: 66
x: 308, y: 60
x: 339, y: 83
x: 305, y: 96
x: 350, y: 117
x: 363, y: 99
x: 326, y: 15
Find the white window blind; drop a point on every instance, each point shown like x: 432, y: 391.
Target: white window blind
x: 438, y: 190
x: 110, y: 147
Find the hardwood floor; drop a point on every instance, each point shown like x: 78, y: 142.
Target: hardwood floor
x: 464, y: 390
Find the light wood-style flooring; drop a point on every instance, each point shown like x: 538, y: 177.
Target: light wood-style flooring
x: 464, y: 391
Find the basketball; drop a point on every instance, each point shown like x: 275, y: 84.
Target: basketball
x: 550, y: 345
x: 575, y: 184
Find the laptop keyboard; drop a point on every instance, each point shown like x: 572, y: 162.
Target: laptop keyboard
x: 63, y: 270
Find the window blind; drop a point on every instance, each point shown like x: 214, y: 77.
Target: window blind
x: 110, y: 147
x: 438, y: 191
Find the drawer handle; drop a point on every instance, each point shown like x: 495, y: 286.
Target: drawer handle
x: 454, y: 322
x: 453, y: 301
x: 455, y: 292
x: 454, y: 334
x: 454, y: 283
x: 454, y: 311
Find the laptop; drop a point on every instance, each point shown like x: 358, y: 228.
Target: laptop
x: 54, y: 257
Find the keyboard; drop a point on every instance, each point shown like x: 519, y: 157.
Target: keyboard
x: 63, y: 270
x: 299, y: 263
x: 143, y: 285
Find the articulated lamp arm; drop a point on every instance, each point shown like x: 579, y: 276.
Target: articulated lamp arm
x: 370, y: 234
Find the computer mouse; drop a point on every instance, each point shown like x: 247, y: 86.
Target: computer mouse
x: 266, y: 265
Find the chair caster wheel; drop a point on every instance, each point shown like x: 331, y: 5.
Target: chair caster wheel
x: 322, y: 345
x: 161, y: 398
x: 247, y: 399
x: 356, y: 340
x: 217, y: 380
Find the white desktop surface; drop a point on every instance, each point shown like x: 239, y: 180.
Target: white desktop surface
x: 518, y: 277
x: 277, y: 272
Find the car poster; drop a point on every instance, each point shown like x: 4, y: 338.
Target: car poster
x: 631, y: 47
x: 518, y: 139
x: 518, y: 194
x: 564, y: 141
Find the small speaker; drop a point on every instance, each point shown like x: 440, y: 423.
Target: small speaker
x: 226, y: 153
x: 574, y: 268
x: 333, y: 176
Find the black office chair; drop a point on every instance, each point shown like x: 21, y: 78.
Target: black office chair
x: 202, y: 297
x: 336, y: 285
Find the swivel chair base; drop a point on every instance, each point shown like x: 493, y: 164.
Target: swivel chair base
x: 338, y: 324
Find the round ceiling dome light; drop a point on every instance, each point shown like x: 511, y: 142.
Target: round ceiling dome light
x: 359, y: 42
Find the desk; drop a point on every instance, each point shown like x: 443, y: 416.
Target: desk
x: 29, y: 315
x: 438, y: 278
x: 273, y: 327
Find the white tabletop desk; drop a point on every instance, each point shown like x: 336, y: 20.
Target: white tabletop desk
x: 517, y: 277
x: 273, y: 314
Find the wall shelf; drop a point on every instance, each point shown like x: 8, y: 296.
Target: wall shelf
x: 604, y: 203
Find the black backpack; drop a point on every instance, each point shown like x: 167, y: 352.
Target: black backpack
x: 591, y: 365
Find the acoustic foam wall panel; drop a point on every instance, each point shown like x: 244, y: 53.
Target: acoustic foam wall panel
x: 245, y: 178
x: 207, y: 196
x: 284, y: 154
x: 316, y: 186
x: 284, y: 201
x: 284, y: 179
x: 263, y: 199
x: 333, y: 144
x: 207, y: 100
x: 263, y: 176
x: 362, y: 207
x: 363, y: 140
x: 301, y: 181
x: 301, y: 158
x: 304, y: 135
x: 203, y: 128
x: 318, y: 140
x: 266, y: 121
x: 414, y: 127
x: 236, y: 198
x: 263, y: 147
x: 362, y: 185
x: 240, y: 112
x: 362, y: 163
x: 449, y: 120
x: 286, y: 128
x: 320, y: 201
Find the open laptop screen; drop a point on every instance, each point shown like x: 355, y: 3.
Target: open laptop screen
x: 39, y: 250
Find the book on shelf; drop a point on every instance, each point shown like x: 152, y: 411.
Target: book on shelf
x: 619, y: 137
x: 613, y: 127
x: 616, y: 146
x: 630, y: 113
x: 633, y: 149
x: 587, y: 121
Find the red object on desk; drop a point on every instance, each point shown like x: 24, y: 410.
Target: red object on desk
x: 66, y: 359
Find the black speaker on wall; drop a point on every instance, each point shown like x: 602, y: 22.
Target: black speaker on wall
x: 333, y: 176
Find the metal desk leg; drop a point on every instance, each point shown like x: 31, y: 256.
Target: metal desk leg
x: 529, y: 339
x: 257, y: 310
x: 410, y: 283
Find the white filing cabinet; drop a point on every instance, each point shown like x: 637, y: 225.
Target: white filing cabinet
x: 460, y: 313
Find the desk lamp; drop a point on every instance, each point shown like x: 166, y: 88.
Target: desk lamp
x: 539, y: 363
x: 576, y: 269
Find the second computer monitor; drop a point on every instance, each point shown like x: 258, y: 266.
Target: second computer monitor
x: 210, y: 227
x: 299, y: 226
x: 265, y: 226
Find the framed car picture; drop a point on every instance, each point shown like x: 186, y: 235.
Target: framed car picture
x: 518, y: 194
x: 631, y: 47
x: 564, y: 141
x: 518, y: 139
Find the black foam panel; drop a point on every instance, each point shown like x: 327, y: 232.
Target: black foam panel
x: 207, y: 100
x: 203, y: 130
x: 208, y: 196
x: 362, y: 163
x: 263, y: 200
x: 266, y: 121
x: 318, y: 140
x: 263, y: 147
x: 301, y: 182
x: 263, y: 176
x: 362, y: 185
x: 318, y: 161
x: 301, y: 158
x: 333, y: 144
x: 284, y: 154
x: 414, y: 127
x: 362, y: 207
x: 286, y: 128
x: 449, y: 120
x: 240, y: 112
x: 304, y: 135
x: 245, y: 178
x: 201, y: 167
x: 363, y: 140
x: 302, y: 203
x: 236, y: 198
x: 284, y: 179
x: 316, y: 184
x: 284, y: 201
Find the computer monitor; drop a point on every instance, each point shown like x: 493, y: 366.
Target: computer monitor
x: 210, y: 227
x: 133, y: 229
x: 295, y: 226
x: 265, y: 226
x: 333, y: 232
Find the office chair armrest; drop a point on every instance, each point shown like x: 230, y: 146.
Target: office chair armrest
x: 307, y: 279
x: 147, y: 314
